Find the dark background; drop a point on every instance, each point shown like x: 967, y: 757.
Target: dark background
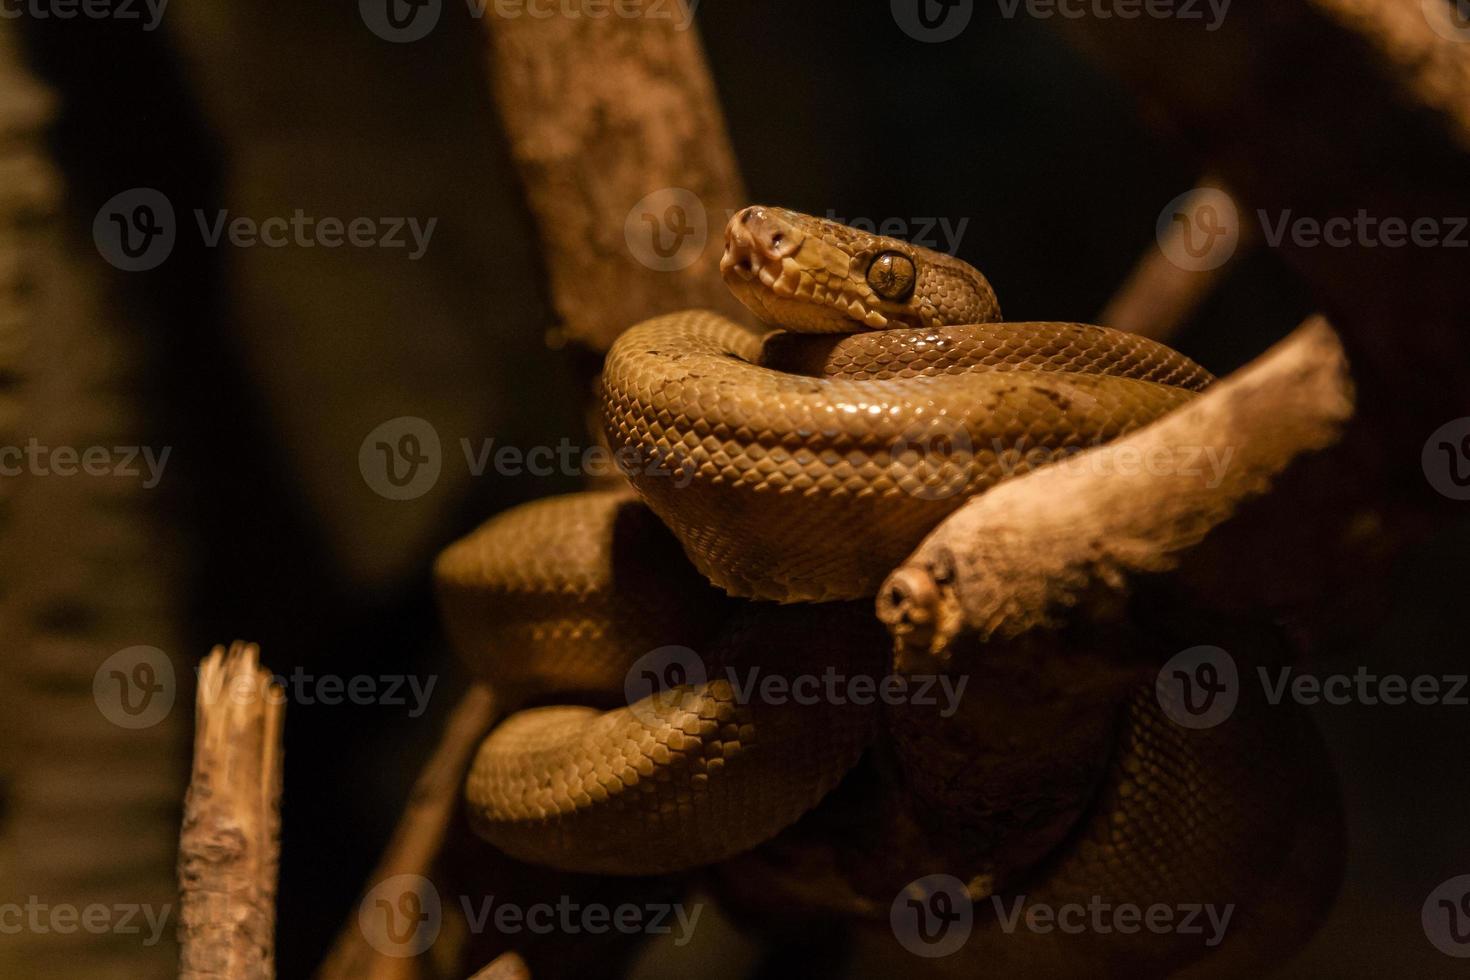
x: 830, y: 107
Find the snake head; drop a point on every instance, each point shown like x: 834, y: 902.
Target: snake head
x: 814, y: 275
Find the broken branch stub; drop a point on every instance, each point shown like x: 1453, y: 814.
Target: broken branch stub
x: 1074, y: 533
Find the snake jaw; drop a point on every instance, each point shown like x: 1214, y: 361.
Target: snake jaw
x: 813, y: 275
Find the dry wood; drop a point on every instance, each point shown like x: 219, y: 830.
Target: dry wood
x: 229, y: 850
x: 1077, y: 531
x: 506, y: 966
x: 603, y: 112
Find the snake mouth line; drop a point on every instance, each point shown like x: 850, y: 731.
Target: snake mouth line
x: 787, y: 280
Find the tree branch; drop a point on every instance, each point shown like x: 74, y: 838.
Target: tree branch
x: 229, y: 850
x: 1079, y: 530
x: 634, y: 95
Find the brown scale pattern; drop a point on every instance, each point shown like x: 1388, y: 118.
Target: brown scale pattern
x: 685, y: 778
x: 798, y: 488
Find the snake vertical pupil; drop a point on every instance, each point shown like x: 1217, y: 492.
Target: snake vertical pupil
x: 892, y: 276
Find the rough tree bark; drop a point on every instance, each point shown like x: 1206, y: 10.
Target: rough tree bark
x: 1071, y: 536
x: 230, y: 848
x: 620, y: 141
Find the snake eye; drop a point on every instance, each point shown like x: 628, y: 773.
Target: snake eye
x: 892, y: 276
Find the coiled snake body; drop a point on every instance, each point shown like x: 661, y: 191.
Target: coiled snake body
x: 798, y: 466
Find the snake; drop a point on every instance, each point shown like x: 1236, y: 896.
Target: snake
x: 776, y: 472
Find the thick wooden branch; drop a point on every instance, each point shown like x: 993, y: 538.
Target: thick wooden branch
x: 618, y: 134
x: 1078, y: 531
x: 229, y: 850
